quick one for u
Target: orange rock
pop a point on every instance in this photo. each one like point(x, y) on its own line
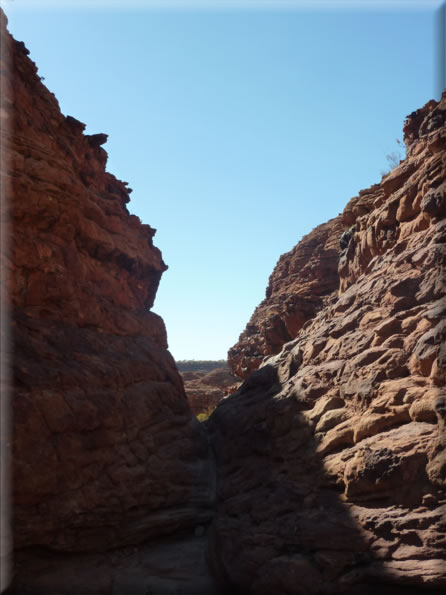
point(297, 288)
point(338, 456)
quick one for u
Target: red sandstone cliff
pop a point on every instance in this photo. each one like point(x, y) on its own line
point(330, 459)
point(297, 289)
point(304, 278)
point(331, 466)
point(105, 449)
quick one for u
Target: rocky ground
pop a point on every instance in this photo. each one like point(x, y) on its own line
point(205, 390)
point(176, 565)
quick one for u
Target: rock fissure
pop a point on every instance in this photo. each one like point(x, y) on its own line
point(324, 473)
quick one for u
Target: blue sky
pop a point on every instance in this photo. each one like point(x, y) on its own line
point(239, 128)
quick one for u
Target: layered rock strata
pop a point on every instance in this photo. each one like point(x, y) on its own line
point(106, 451)
point(297, 289)
point(331, 457)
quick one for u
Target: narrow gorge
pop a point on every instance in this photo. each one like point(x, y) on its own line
point(323, 474)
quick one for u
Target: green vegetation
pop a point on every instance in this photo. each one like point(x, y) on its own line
point(197, 365)
point(205, 415)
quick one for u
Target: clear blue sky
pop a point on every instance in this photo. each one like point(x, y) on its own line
point(239, 129)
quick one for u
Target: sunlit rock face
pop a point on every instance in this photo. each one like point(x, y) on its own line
point(331, 457)
point(105, 449)
point(298, 287)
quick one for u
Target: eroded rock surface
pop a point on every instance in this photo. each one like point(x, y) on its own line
point(106, 451)
point(331, 456)
point(331, 469)
point(297, 289)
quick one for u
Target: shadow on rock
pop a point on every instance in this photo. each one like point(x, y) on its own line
point(286, 522)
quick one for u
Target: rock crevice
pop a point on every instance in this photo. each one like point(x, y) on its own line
point(323, 474)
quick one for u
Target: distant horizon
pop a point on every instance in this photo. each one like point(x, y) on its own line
point(239, 131)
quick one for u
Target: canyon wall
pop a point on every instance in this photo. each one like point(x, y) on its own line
point(297, 289)
point(331, 466)
point(105, 450)
point(330, 458)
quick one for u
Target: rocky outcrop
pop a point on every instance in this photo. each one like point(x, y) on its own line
point(105, 449)
point(331, 457)
point(204, 390)
point(297, 289)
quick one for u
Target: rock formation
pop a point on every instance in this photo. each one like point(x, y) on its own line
point(205, 390)
point(106, 451)
point(297, 289)
point(331, 466)
point(329, 460)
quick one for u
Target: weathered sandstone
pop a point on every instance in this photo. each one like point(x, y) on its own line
point(331, 466)
point(297, 289)
point(330, 459)
point(105, 449)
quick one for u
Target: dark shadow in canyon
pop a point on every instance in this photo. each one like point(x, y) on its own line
point(283, 524)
